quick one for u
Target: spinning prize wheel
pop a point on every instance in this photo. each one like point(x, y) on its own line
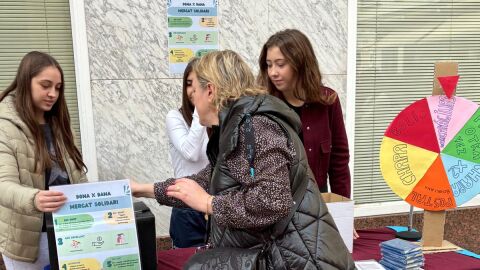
point(430, 153)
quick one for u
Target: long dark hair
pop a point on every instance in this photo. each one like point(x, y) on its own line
point(299, 53)
point(187, 106)
point(58, 117)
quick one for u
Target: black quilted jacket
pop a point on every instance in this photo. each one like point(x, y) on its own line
point(308, 238)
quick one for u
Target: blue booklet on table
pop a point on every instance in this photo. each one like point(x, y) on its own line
point(400, 246)
point(394, 252)
point(403, 259)
point(394, 266)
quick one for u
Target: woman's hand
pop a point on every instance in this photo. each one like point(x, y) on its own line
point(49, 200)
point(141, 190)
point(191, 193)
point(355, 234)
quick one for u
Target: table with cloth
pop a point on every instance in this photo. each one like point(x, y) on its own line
point(365, 248)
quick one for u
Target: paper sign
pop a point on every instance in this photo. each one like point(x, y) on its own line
point(403, 165)
point(466, 143)
point(180, 55)
point(449, 116)
point(192, 31)
point(95, 229)
point(433, 191)
point(464, 177)
point(414, 126)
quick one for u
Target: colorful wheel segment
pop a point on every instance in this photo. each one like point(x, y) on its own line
point(430, 153)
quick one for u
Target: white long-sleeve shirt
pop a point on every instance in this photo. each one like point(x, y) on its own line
point(188, 145)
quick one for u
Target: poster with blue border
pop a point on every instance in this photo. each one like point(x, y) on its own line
point(192, 31)
point(95, 228)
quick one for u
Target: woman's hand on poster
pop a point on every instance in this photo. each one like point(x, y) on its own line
point(49, 200)
point(191, 193)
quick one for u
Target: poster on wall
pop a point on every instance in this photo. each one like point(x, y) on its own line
point(95, 228)
point(192, 31)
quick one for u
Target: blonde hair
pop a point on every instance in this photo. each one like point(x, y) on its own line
point(231, 76)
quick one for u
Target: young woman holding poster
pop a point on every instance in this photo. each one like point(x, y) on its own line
point(37, 150)
point(188, 144)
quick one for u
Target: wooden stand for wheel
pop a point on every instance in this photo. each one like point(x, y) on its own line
point(434, 221)
point(443, 69)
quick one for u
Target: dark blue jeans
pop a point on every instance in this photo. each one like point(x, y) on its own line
point(188, 228)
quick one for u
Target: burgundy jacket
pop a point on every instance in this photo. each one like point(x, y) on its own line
point(326, 144)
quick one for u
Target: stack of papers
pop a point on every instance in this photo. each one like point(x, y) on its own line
point(401, 255)
point(368, 265)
